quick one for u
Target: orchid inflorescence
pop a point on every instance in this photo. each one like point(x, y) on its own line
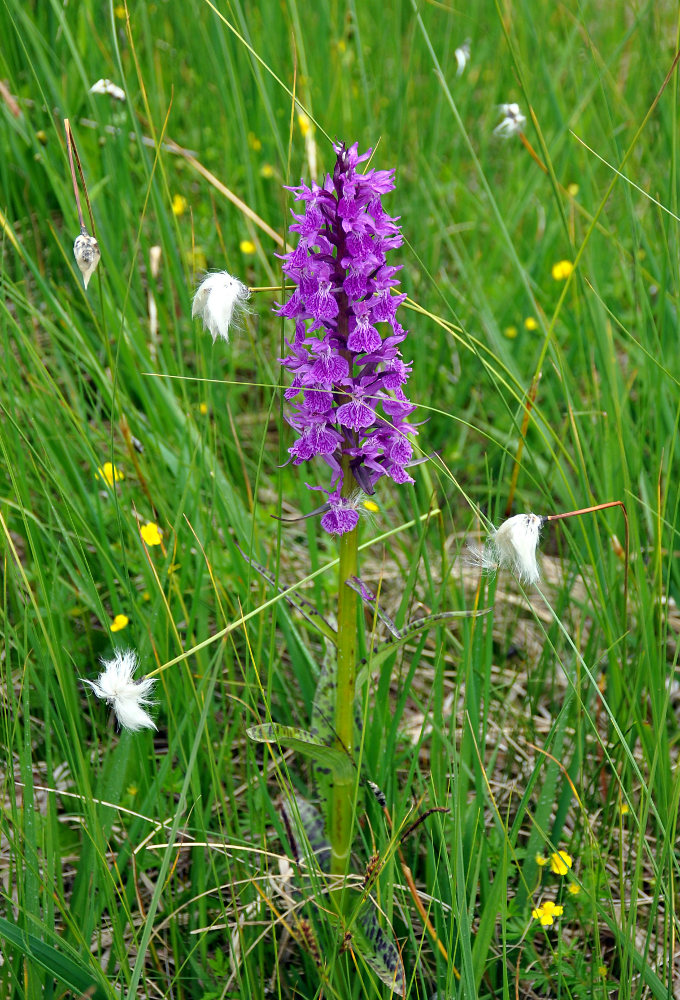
point(348, 404)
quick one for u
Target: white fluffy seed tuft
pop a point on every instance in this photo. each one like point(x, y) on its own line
point(513, 121)
point(218, 300)
point(116, 686)
point(512, 546)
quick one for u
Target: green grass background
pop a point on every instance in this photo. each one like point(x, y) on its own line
point(534, 727)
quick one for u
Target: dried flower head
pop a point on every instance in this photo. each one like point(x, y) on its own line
point(513, 121)
point(512, 546)
point(348, 405)
point(87, 254)
point(126, 696)
point(218, 300)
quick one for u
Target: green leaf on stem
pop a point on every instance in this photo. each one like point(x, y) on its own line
point(339, 762)
point(378, 949)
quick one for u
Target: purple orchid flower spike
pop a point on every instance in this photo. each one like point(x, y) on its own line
point(347, 401)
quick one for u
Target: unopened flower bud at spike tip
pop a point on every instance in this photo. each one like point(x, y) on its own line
point(87, 254)
point(218, 301)
point(126, 696)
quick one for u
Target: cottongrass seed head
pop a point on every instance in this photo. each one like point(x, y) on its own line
point(126, 696)
point(87, 254)
point(512, 546)
point(513, 121)
point(218, 301)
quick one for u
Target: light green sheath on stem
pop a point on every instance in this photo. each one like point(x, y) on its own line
point(341, 820)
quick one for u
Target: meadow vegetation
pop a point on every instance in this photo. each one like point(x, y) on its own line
point(146, 502)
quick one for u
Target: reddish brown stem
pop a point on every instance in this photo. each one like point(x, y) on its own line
point(590, 510)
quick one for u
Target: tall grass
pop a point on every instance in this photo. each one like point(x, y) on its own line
point(158, 864)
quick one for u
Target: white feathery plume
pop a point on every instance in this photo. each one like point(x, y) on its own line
point(512, 546)
point(126, 696)
point(513, 121)
point(217, 299)
point(106, 87)
point(462, 55)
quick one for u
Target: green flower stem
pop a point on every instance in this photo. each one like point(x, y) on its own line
point(341, 820)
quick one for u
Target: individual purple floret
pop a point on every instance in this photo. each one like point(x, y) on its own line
point(347, 402)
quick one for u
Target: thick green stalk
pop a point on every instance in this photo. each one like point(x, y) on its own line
point(341, 820)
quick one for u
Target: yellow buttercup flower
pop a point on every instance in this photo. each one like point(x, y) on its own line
point(572, 190)
point(541, 860)
point(254, 142)
point(547, 912)
point(562, 269)
point(118, 623)
point(624, 808)
point(151, 533)
point(247, 246)
point(109, 473)
point(574, 889)
point(560, 862)
point(510, 332)
point(203, 408)
point(179, 204)
point(266, 170)
point(530, 323)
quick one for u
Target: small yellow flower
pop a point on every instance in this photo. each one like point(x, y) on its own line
point(371, 506)
point(119, 11)
point(118, 623)
point(573, 888)
point(572, 190)
point(247, 246)
point(530, 323)
point(109, 473)
point(547, 912)
point(304, 123)
point(151, 533)
point(203, 408)
point(132, 790)
point(179, 204)
point(562, 269)
point(541, 860)
point(266, 170)
point(254, 142)
point(602, 970)
point(510, 332)
point(560, 862)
